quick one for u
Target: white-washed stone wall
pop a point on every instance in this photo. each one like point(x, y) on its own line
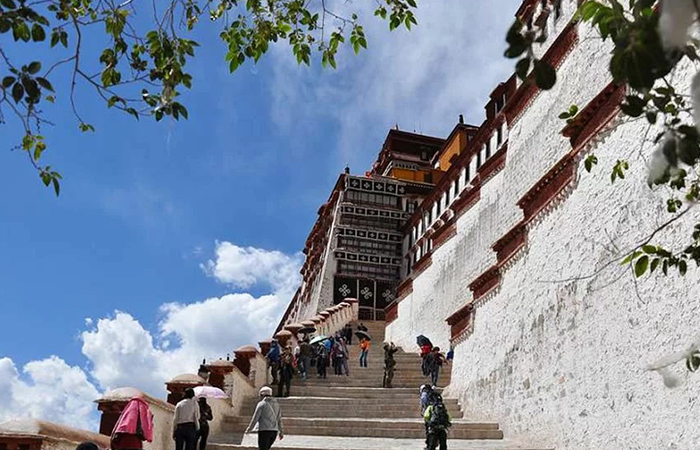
point(558, 352)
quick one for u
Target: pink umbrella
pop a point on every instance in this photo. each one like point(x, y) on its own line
point(209, 392)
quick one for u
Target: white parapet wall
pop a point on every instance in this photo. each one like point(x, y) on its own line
point(557, 353)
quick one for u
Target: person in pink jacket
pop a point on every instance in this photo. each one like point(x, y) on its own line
point(135, 425)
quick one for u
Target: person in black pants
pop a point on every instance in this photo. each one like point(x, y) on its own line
point(186, 422)
point(205, 415)
point(267, 418)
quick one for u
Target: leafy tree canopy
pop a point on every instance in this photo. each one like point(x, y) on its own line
point(142, 70)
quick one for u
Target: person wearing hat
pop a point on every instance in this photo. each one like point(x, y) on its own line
point(268, 420)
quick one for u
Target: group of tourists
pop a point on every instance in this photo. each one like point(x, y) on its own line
point(330, 353)
point(191, 422)
point(135, 424)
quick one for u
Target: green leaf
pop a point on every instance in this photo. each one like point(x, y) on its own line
point(38, 33)
point(34, 67)
point(522, 68)
point(8, 81)
point(641, 266)
point(43, 82)
point(56, 185)
point(630, 257)
point(9, 4)
point(17, 92)
point(649, 249)
point(545, 75)
point(654, 264)
point(589, 162)
point(84, 127)
point(39, 149)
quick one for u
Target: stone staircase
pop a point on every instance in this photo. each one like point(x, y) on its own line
point(355, 412)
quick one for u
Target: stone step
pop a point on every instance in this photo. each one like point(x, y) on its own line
point(333, 381)
point(355, 392)
point(292, 442)
point(235, 423)
point(346, 401)
point(355, 410)
point(410, 431)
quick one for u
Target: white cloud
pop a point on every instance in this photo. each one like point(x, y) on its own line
point(244, 267)
point(422, 79)
point(124, 353)
point(48, 389)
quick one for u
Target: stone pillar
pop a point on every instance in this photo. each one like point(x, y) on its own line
point(283, 337)
point(294, 329)
point(112, 404)
point(219, 369)
point(176, 387)
point(327, 325)
point(355, 305)
point(318, 324)
point(265, 346)
point(243, 356)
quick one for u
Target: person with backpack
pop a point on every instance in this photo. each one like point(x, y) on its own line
point(438, 421)
point(426, 394)
point(305, 354)
point(389, 363)
point(434, 362)
point(286, 372)
point(273, 360)
point(321, 361)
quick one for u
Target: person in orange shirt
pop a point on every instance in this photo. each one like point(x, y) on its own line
point(364, 352)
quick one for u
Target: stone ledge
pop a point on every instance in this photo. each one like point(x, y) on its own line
point(467, 199)
point(494, 164)
point(594, 116)
point(547, 188)
point(485, 282)
point(512, 242)
point(422, 264)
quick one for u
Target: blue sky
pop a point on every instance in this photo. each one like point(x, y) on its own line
point(198, 214)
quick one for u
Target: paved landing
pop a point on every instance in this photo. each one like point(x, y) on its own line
point(336, 443)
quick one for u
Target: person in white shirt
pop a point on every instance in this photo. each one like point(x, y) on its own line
point(268, 419)
point(186, 422)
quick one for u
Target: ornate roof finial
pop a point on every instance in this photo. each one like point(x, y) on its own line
point(347, 169)
point(461, 119)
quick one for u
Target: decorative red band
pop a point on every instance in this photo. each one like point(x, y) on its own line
point(486, 282)
point(405, 288)
point(460, 320)
point(467, 199)
point(494, 164)
point(510, 243)
point(444, 233)
point(544, 191)
point(422, 264)
point(594, 116)
point(391, 312)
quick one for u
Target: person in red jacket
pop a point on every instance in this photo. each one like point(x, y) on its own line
point(135, 425)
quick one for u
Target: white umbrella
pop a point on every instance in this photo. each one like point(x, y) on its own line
point(209, 392)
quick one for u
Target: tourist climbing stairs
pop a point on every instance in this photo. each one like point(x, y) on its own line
point(354, 412)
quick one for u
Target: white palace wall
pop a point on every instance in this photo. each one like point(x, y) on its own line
point(557, 352)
